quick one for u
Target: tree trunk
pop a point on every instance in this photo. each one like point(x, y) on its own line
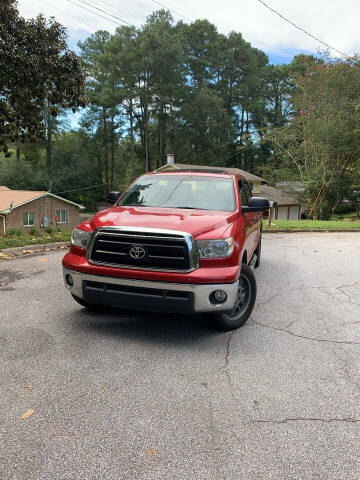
point(147, 163)
point(105, 144)
point(160, 159)
point(357, 210)
point(133, 166)
point(241, 134)
point(48, 149)
point(112, 158)
point(247, 151)
point(172, 131)
point(18, 143)
point(48, 140)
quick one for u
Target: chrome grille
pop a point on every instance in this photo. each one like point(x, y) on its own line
point(152, 249)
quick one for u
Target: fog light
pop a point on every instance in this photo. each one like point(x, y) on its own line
point(218, 296)
point(69, 280)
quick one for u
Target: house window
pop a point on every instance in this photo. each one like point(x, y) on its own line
point(28, 219)
point(61, 216)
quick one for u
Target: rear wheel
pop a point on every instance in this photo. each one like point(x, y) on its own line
point(244, 303)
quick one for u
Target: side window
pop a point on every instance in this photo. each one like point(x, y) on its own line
point(248, 190)
point(243, 194)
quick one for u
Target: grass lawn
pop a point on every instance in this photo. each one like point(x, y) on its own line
point(23, 239)
point(342, 216)
point(312, 225)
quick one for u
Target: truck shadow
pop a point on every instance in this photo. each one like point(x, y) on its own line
point(152, 327)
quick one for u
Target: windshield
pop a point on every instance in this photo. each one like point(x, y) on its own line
point(180, 191)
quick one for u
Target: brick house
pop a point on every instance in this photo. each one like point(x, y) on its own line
point(23, 209)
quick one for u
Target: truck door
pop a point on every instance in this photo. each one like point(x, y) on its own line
point(252, 219)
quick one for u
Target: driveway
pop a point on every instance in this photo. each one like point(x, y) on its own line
point(138, 396)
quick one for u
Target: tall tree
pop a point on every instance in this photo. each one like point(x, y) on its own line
point(322, 138)
point(122, 61)
point(36, 68)
point(163, 62)
point(104, 114)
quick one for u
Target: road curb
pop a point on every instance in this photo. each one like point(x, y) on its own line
point(28, 249)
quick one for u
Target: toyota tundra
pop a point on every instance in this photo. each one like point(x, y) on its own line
point(180, 241)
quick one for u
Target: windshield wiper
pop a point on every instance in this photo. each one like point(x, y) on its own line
point(133, 205)
point(191, 208)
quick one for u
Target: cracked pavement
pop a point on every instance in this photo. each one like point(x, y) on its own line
point(135, 396)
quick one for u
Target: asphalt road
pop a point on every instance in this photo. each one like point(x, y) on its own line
point(139, 396)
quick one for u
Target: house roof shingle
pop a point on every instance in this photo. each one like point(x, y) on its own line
point(275, 195)
point(250, 177)
point(19, 197)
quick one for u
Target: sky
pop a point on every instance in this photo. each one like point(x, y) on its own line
point(333, 21)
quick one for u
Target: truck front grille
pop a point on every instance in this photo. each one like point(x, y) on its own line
point(140, 249)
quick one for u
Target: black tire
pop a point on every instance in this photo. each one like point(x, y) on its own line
point(95, 307)
point(226, 321)
point(258, 253)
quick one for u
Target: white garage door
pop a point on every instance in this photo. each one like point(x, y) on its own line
point(282, 213)
point(294, 213)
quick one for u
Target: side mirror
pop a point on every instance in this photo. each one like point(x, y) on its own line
point(256, 204)
point(113, 197)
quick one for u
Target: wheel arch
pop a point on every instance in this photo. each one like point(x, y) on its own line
point(244, 257)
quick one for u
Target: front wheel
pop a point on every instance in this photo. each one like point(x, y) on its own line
point(244, 303)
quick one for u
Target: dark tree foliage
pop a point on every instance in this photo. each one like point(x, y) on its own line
point(170, 87)
point(36, 70)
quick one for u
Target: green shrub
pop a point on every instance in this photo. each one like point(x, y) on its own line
point(49, 230)
point(12, 232)
point(33, 231)
point(342, 208)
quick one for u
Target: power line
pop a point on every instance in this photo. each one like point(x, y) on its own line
point(210, 150)
point(206, 62)
point(84, 188)
point(115, 8)
point(62, 11)
point(174, 11)
point(300, 28)
point(94, 13)
point(231, 155)
point(201, 154)
point(106, 12)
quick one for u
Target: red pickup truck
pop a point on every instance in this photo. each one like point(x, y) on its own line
point(182, 241)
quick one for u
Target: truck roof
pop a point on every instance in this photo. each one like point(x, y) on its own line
point(199, 172)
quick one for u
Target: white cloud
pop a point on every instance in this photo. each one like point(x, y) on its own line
point(334, 23)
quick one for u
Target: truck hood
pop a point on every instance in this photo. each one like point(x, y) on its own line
point(199, 223)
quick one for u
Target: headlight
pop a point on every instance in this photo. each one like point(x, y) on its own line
point(80, 238)
point(222, 247)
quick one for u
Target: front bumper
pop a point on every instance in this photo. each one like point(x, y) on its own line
point(149, 295)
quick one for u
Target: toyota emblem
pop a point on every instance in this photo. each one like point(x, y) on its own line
point(137, 252)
